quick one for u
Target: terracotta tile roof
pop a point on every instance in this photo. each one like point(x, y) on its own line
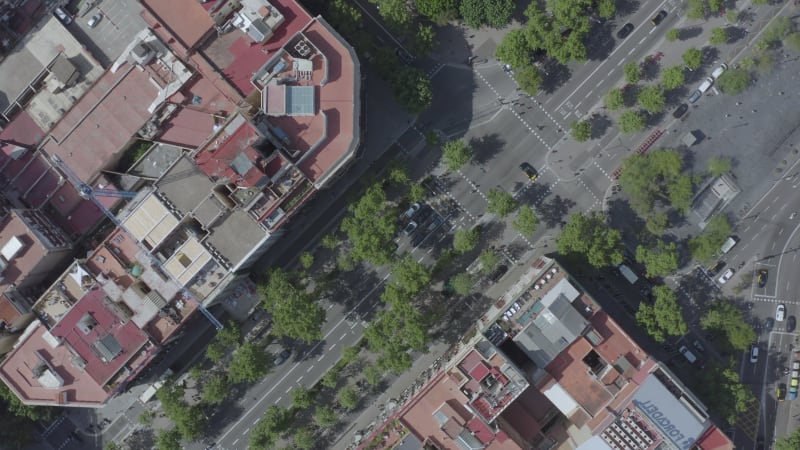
point(187, 20)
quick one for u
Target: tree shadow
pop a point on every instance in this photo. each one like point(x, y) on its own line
point(554, 76)
point(601, 123)
point(650, 68)
point(623, 217)
point(736, 34)
point(689, 32)
point(653, 119)
point(600, 40)
point(627, 7)
point(486, 147)
point(533, 195)
point(710, 54)
point(630, 95)
point(553, 212)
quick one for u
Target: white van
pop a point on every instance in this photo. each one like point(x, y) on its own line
point(688, 354)
point(728, 245)
point(718, 71)
point(628, 273)
point(705, 85)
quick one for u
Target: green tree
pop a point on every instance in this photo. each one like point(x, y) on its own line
point(631, 122)
point(250, 363)
point(581, 130)
point(306, 260)
point(733, 81)
point(589, 235)
point(473, 12)
point(465, 239)
point(230, 336)
point(216, 389)
point(723, 392)
point(344, 16)
point(325, 417)
point(304, 438)
point(527, 221)
point(373, 375)
point(294, 312)
point(657, 223)
point(606, 8)
point(168, 439)
point(330, 241)
point(725, 318)
point(692, 58)
point(673, 77)
point(350, 354)
point(397, 330)
point(655, 175)
point(615, 99)
point(439, 11)
point(424, 40)
point(348, 398)
point(489, 260)
point(416, 193)
point(189, 420)
point(664, 317)
point(680, 193)
point(396, 13)
point(270, 428)
point(456, 154)
point(494, 13)
point(412, 89)
point(331, 377)
point(706, 245)
point(695, 9)
point(716, 5)
point(371, 227)
point(501, 203)
point(302, 398)
point(673, 35)
point(410, 275)
point(514, 50)
point(529, 79)
point(633, 73)
point(652, 99)
point(660, 260)
point(718, 165)
point(792, 41)
point(719, 36)
point(462, 284)
point(790, 442)
point(215, 351)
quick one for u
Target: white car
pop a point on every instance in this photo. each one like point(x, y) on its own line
point(94, 20)
point(718, 71)
point(753, 353)
point(725, 276)
point(780, 313)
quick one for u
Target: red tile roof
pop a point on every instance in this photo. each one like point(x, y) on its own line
point(187, 20)
point(715, 439)
point(21, 131)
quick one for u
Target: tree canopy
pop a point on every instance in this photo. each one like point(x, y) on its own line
point(494, 13)
point(693, 58)
point(673, 77)
point(734, 81)
point(410, 275)
point(424, 40)
point(489, 260)
point(719, 36)
point(501, 203)
point(371, 227)
point(722, 391)
point(526, 221)
point(294, 313)
point(189, 420)
point(652, 99)
point(664, 317)
point(631, 122)
point(465, 239)
point(661, 259)
point(456, 154)
point(19, 420)
point(270, 428)
point(615, 99)
point(348, 398)
point(397, 329)
point(514, 50)
point(790, 442)
point(250, 363)
point(725, 318)
point(168, 439)
point(589, 235)
point(325, 417)
point(462, 283)
point(302, 398)
point(633, 73)
point(717, 165)
point(656, 175)
point(560, 34)
point(412, 89)
point(529, 79)
point(437, 10)
point(581, 130)
point(707, 244)
point(216, 389)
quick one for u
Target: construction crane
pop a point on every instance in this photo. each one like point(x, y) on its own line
point(91, 193)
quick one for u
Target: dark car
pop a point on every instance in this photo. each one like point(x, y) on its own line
point(62, 16)
point(625, 31)
point(680, 110)
point(658, 18)
point(529, 171)
point(282, 357)
point(498, 273)
point(791, 324)
point(762, 277)
point(714, 269)
point(769, 324)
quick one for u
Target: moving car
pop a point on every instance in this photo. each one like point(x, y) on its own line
point(753, 353)
point(625, 30)
point(62, 16)
point(282, 357)
point(94, 20)
point(780, 313)
point(714, 269)
point(680, 110)
point(658, 18)
point(529, 171)
point(725, 276)
point(791, 324)
point(762, 278)
point(769, 324)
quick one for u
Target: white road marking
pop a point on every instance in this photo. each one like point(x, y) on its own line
point(256, 421)
point(643, 39)
point(775, 199)
point(234, 442)
point(632, 50)
point(332, 346)
point(780, 232)
point(311, 367)
point(342, 337)
point(299, 379)
point(773, 216)
point(330, 306)
point(247, 430)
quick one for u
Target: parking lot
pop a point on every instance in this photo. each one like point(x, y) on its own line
point(119, 23)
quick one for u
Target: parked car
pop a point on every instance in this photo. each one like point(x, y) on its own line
point(680, 110)
point(725, 276)
point(780, 393)
point(498, 273)
point(698, 346)
point(718, 71)
point(791, 324)
point(658, 18)
point(695, 96)
point(625, 30)
point(769, 324)
point(62, 15)
point(94, 20)
point(411, 211)
point(753, 353)
point(282, 357)
point(762, 277)
point(780, 313)
point(529, 171)
point(715, 268)
point(410, 228)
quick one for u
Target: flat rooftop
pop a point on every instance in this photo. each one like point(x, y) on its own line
point(187, 20)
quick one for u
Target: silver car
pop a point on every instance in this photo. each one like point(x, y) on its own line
point(94, 20)
point(725, 276)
